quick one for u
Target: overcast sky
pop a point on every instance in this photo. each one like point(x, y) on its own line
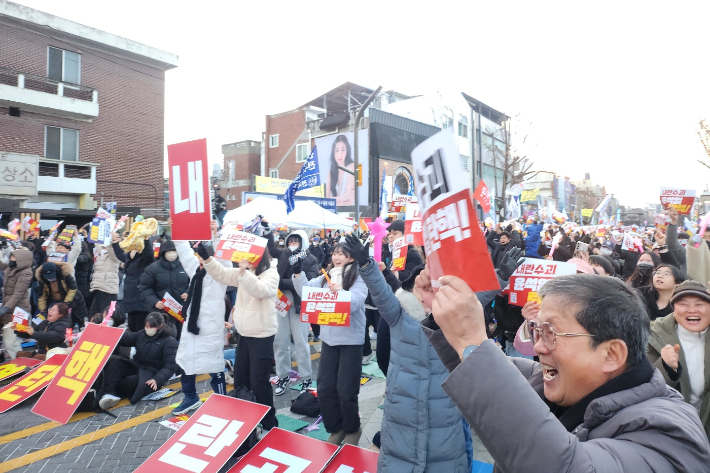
point(611, 88)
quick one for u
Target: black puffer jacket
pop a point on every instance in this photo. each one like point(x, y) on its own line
point(163, 276)
point(134, 268)
point(155, 359)
point(84, 264)
point(309, 265)
point(49, 334)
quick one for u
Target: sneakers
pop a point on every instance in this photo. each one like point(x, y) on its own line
point(305, 385)
point(316, 338)
point(108, 401)
point(229, 372)
point(281, 386)
point(187, 405)
point(367, 359)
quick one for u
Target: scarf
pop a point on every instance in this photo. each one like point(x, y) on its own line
point(336, 275)
point(194, 300)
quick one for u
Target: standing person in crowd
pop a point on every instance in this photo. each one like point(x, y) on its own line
point(50, 333)
point(341, 354)
point(532, 241)
point(71, 252)
point(166, 275)
point(105, 280)
point(593, 403)
point(151, 367)
point(672, 239)
point(602, 265)
point(643, 274)
point(56, 284)
point(680, 349)
point(414, 258)
point(500, 247)
point(17, 279)
point(698, 259)
point(134, 265)
point(201, 343)
point(657, 295)
point(291, 325)
point(255, 320)
point(316, 250)
point(83, 269)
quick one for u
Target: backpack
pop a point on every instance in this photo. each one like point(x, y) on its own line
point(306, 404)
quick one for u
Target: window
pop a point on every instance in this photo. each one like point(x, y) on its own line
point(302, 152)
point(448, 122)
point(464, 162)
point(273, 141)
point(463, 127)
point(274, 173)
point(64, 66)
point(231, 170)
point(61, 143)
point(478, 169)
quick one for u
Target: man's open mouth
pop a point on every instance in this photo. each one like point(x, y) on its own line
point(548, 372)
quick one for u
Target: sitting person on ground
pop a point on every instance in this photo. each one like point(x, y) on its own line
point(593, 403)
point(50, 333)
point(56, 284)
point(150, 369)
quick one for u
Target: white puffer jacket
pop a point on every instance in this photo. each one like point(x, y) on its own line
point(254, 313)
point(105, 278)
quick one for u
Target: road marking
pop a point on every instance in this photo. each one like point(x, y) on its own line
point(314, 356)
point(75, 418)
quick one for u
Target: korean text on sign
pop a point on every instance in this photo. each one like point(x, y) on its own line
point(78, 373)
point(21, 318)
point(399, 254)
point(173, 307)
point(680, 199)
point(283, 303)
point(16, 366)
point(413, 225)
point(453, 242)
point(322, 307)
point(235, 245)
point(532, 275)
point(208, 439)
point(30, 384)
point(189, 190)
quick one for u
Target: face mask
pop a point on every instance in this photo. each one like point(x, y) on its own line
point(12, 264)
point(171, 255)
point(605, 251)
point(644, 268)
point(151, 331)
point(81, 237)
point(293, 248)
point(109, 323)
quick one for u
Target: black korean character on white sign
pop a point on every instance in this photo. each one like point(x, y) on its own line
point(432, 179)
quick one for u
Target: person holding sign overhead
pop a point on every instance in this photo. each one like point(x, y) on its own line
point(341, 356)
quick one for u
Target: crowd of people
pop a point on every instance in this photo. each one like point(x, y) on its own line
point(605, 372)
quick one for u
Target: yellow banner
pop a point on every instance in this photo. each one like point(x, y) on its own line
point(279, 186)
point(528, 196)
point(587, 212)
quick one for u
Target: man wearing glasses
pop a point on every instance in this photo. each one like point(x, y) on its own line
point(593, 402)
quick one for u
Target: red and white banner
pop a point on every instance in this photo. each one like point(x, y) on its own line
point(283, 303)
point(413, 225)
point(78, 373)
point(530, 276)
point(208, 439)
point(173, 307)
point(156, 250)
point(352, 459)
point(483, 196)
point(21, 318)
point(679, 199)
point(287, 452)
point(29, 224)
point(16, 366)
point(453, 241)
point(30, 384)
point(190, 206)
point(235, 245)
point(401, 202)
point(67, 234)
point(399, 254)
point(322, 307)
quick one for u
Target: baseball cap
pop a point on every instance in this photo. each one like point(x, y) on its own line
point(49, 271)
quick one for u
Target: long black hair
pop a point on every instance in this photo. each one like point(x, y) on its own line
point(334, 165)
point(350, 270)
point(160, 321)
point(264, 264)
point(640, 280)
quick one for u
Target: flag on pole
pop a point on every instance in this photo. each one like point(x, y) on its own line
point(307, 177)
point(383, 196)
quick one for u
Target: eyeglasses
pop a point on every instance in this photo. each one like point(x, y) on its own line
point(548, 335)
point(664, 274)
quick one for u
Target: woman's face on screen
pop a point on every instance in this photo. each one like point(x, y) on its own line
point(341, 152)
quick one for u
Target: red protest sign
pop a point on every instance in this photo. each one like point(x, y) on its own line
point(190, 206)
point(156, 250)
point(208, 439)
point(483, 196)
point(399, 254)
point(235, 245)
point(283, 303)
point(353, 459)
point(453, 241)
point(413, 225)
point(30, 384)
point(21, 318)
point(78, 373)
point(401, 202)
point(281, 450)
point(322, 307)
point(173, 307)
point(530, 276)
point(16, 366)
point(679, 199)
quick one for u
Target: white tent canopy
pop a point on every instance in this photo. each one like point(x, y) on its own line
point(307, 214)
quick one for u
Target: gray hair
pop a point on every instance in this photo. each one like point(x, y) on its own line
point(608, 309)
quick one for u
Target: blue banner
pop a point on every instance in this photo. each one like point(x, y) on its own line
point(383, 194)
point(307, 177)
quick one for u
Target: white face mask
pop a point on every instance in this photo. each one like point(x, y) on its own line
point(605, 251)
point(171, 255)
point(151, 331)
point(293, 248)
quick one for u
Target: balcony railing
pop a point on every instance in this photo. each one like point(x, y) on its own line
point(68, 177)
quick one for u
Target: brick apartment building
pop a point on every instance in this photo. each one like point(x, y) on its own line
point(82, 107)
point(242, 160)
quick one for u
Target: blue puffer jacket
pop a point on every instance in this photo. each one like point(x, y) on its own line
point(532, 241)
point(422, 429)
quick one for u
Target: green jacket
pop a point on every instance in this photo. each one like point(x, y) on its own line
point(663, 332)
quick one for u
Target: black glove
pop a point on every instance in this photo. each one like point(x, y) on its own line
point(202, 251)
point(297, 266)
point(510, 262)
point(4, 310)
point(360, 252)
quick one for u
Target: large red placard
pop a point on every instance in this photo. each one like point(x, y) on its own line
point(16, 366)
point(208, 439)
point(353, 459)
point(285, 451)
point(190, 206)
point(30, 384)
point(322, 307)
point(78, 373)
